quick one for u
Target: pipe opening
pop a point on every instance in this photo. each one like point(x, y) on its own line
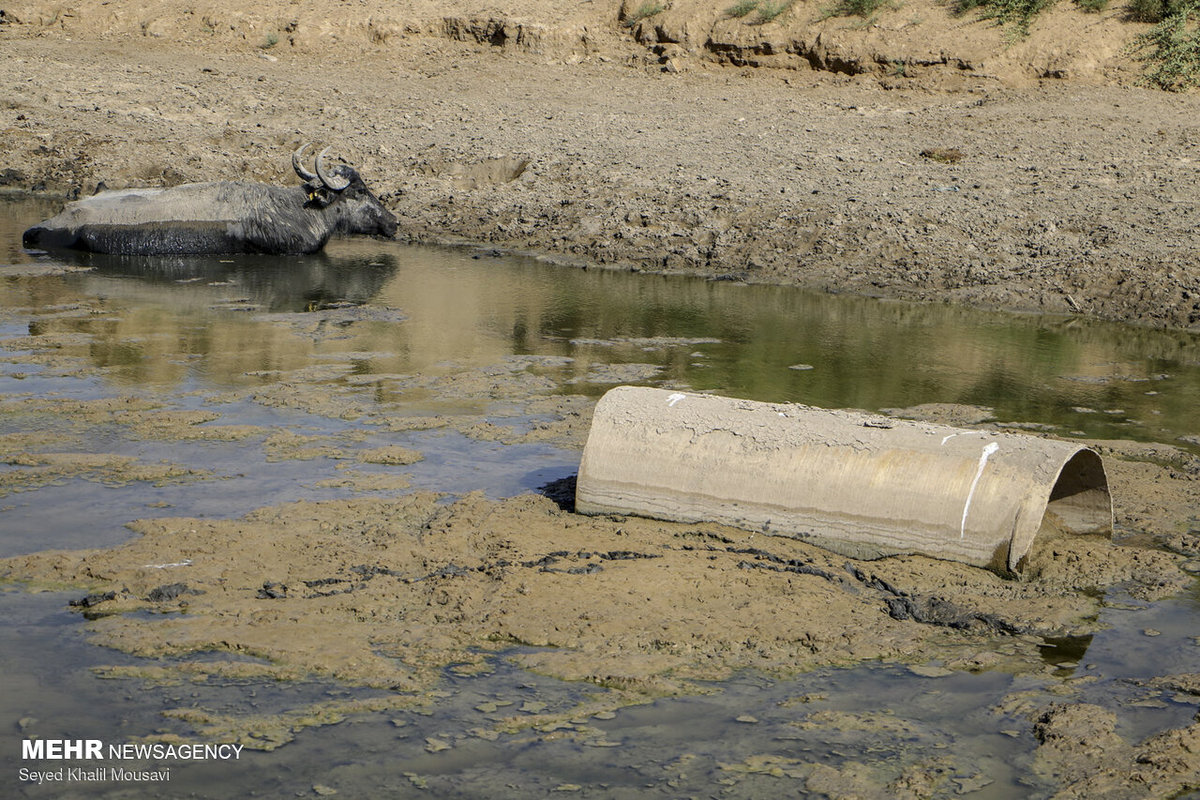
point(1080, 497)
point(1079, 504)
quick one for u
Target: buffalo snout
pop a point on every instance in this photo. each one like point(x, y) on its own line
point(388, 223)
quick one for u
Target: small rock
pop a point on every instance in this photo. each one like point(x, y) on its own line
point(272, 591)
point(170, 591)
point(93, 599)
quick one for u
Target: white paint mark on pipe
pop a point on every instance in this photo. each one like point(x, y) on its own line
point(988, 449)
point(675, 398)
point(950, 436)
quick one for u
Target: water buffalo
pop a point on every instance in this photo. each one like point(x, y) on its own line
point(221, 216)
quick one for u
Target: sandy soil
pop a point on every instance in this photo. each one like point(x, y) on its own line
point(558, 129)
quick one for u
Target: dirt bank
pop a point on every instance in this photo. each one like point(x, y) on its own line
point(560, 130)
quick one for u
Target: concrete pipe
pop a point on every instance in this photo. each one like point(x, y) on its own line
point(859, 484)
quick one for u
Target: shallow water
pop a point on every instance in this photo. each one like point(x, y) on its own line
point(183, 325)
point(379, 333)
point(743, 740)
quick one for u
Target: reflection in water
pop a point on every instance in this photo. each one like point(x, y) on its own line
point(1065, 652)
point(292, 283)
point(762, 342)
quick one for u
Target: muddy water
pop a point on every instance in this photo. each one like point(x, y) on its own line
point(206, 389)
point(184, 325)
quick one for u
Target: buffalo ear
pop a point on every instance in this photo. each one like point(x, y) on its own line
point(317, 195)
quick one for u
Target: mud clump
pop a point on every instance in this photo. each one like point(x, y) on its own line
point(1080, 751)
point(1076, 740)
point(94, 599)
point(170, 591)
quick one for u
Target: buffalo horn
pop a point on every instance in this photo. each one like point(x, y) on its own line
point(298, 165)
point(334, 182)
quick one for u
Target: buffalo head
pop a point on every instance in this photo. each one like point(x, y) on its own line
point(340, 190)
